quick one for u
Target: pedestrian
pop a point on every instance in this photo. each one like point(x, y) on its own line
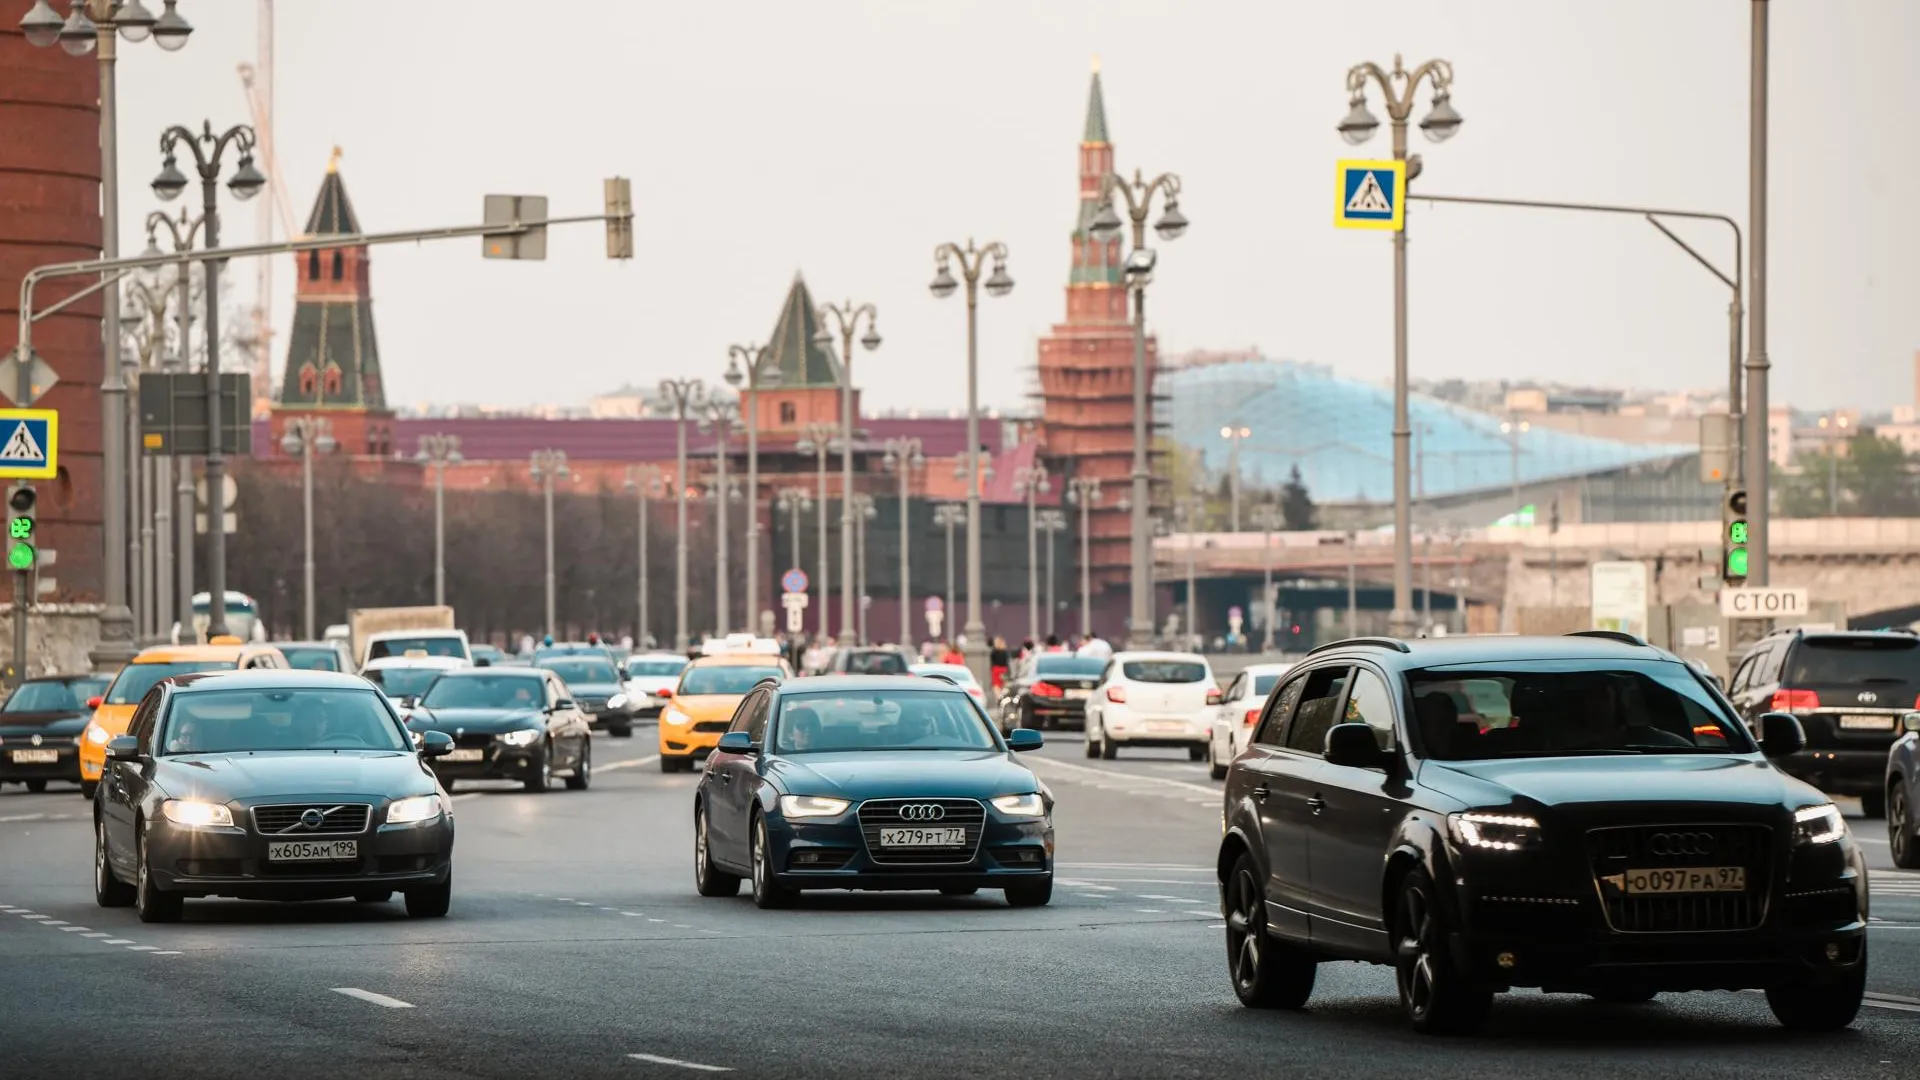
point(1054, 645)
point(998, 661)
point(951, 654)
point(1094, 646)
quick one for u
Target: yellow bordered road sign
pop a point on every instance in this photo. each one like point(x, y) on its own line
point(1370, 195)
point(29, 444)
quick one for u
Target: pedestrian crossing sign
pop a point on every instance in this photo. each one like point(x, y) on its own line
point(29, 444)
point(1370, 195)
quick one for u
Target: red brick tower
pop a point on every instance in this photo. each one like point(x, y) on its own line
point(1086, 364)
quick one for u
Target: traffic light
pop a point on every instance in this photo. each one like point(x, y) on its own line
point(1734, 542)
point(21, 554)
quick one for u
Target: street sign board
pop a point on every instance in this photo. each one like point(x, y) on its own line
point(229, 492)
point(29, 444)
point(934, 603)
point(1763, 602)
point(1370, 195)
point(173, 414)
point(40, 378)
point(796, 604)
point(794, 581)
point(512, 209)
point(1620, 597)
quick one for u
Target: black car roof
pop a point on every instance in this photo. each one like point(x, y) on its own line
point(523, 671)
point(1434, 652)
point(269, 679)
point(829, 684)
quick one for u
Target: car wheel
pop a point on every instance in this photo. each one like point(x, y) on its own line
point(1437, 997)
point(767, 893)
point(1626, 995)
point(1874, 804)
point(1199, 753)
point(154, 904)
point(1820, 1005)
point(87, 787)
point(709, 879)
point(432, 901)
point(373, 896)
point(542, 776)
point(1214, 768)
point(1093, 742)
point(960, 890)
point(1108, 751)
point(582, 773)
point(36, 786)
point(1267, 973)
point(1903, 834)
point(1035, 895)
point(108, 889)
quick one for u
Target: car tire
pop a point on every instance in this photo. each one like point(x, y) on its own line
point(1437, 997)
point(108, 889)
point(1903, 833)
point(154, 904)
point(36, 786)
point(960, 890)
point(1820, 1005)
point(1873, 804)
point(1108, 751)
point(767, 893)
point(1093, 744)
point(542, 777)
point(432, 901)
point(1266, 972)
point(1199, 753)
point(1038, 894)
point(1214, 769)
point(373, 896)
point(707, 878)
point(582, 777)
point(87, 788)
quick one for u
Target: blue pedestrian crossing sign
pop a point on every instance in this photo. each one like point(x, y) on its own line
point(29, 444)
point(1370, 195)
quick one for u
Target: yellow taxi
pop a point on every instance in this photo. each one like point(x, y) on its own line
point(699, 708)
point(113, 711)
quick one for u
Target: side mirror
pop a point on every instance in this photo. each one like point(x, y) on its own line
point(1781, 734)
point(1021, 738)
point(1910, 723)
point(94, 701)
point(737, 742)
point(483, 662)
point(1354, 745)
point(123, 748)
point(562, 705)
point(435, 744)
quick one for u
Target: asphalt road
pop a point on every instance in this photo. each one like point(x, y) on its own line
point(578, 947)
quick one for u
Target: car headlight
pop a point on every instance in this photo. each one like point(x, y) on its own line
point(1028, 805)
point(617, 701)
point(417, 808)
point(1494, 832)
point(674, 716)
point(195, 814)
point(1818, 824)
point(812, 806)
point(97, 734)
point(523, 737)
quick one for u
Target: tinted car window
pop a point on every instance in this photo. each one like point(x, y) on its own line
point(876, 663)
point(1273, 726)
point(1165, 671)
point(892, 720)
point(239, 721)
point(54, 696)
point(1532, 710)
point(135, 680)
point(312, 659)
point(724, 679)
point(402, 681)
point(1371, 704)
point(1082, 667)
point(1263, 684)
point(1308, 729)
point(486, 692)
point(583, 669)
point(1824, 661)
point(656, 668)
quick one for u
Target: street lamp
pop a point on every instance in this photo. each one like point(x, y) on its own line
point(903, 456)
point(439, 451)
point(972, 260)
point(721, 416)
point(1836, 426)
point(818, 438)
point(847, 318)
point(948, 515)
point(1187, 513)
point(1234, 434)
point(747, 373)
point(1031, 482)
point(1053, 523)
point(1084, 491)
point(304, 436)
point(1512, 429)
point(180, 597)
point(1398, 87)
point(1269, 517)
point(548, 466)
point(643, 481)
point(795, 501)
point(680, 397)
point(863, 512)
point(1139, 272)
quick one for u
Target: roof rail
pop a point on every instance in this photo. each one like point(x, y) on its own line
point(1620, 636)
point(1371, 642)
point(943, 678)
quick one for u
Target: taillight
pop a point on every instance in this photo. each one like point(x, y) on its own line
point(1213, 697)
point(1253, 717)
point(1117, 694)
point(1794, 701)
point(977, 692)
point(1047, 689)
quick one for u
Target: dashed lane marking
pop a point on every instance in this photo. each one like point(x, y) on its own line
point(635, 914)
point(117, 941)
point(633, 764)
point(655, 1059)
point(1148, 911)
point(96, 934)
point(381, 1000)
point(168, 952)
point(1131, 779)
point(143, 948)
point(72, 929)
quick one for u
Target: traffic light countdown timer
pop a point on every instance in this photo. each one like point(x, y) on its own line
point(21, 555)
point(1734, 566)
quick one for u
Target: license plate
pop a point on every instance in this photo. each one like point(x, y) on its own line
point(314, 851)
point(948, 837)
point(1866, 723)
point(466, 755)
point(1076, 695)
point(1690, 879)
point(1168, 725)
point(35, 757)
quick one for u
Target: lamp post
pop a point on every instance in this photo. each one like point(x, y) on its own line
point(548, 466)
point(972, 260)
point(1834, 426)
point(1513, 429)
point(644, 482)
point(1187, 512)
point(680, 397)
point(818, 439)
point(1030, 481)
point(1234, 434)
point(1140, 262)
point(1053, 523)
point(439, 451)
point(1353, 585)
point(863, 512)
point(948, 515)
point(1397, 87)
point(903, 456)
point(182, 233)
point(152, 591)
point(721, 416)
point(745, 373)
point(847, 318)
point(795, 501)
point(304, 436)
point(1269, 517)
point(1084, 491)
point(96, 26)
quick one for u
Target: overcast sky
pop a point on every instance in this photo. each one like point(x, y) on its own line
point(846, 138)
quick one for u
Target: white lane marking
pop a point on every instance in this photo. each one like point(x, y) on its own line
point(1149, 911)
point(564, 899)
point(721, 933)
point(368, 995)
point(1217, 926)
point(1131, 778)
point(1092, 895)
point(72, 929)
point(681, 926)
point(54, 922)
point(1902, 998)
point(1183, 867)
point(24, 817)
point(582, 903)
point(656, 920)
point(634, 764)
point(635, 914)
point(168, 952)
point(465, 795)
point(1883, 926)
point(677, 1063)
point(116, 940)
point(1897, 1006)
point(34, 917)
point(142, 948)
point(96, 933)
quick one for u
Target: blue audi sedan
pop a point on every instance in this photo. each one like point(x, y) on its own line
point(871, 783)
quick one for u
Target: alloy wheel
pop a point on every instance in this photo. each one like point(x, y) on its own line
point(101, 878)
point(759, 858)
point(1900, 828)
point(1246, 925)
point(700, 850)
point(1414, 943)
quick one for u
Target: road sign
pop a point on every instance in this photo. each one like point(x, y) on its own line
point(934, 604)
point(1762, 602)
point(229, 492)
point(173, 413)
point(29, 443)
point(935, 617)
point(1619, 596)
point(1370, 195)
point(40, 378)
point(511, 209)
point(794, 581)
point(796, 604)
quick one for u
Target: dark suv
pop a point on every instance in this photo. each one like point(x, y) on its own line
point(868, 661)
point(1849, 689)
point(1582, 814)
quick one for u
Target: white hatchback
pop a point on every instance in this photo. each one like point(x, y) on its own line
point(1237, 713)
point(1152, 699)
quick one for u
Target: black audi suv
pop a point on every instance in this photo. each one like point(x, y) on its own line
point(1581, 814)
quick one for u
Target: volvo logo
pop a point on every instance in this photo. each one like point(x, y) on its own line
point(1868, 697)
point(1681, 843)
point(922, 812)
point(312, 817)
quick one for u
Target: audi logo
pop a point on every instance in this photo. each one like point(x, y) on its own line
point(922, 812)
point(1680, 843)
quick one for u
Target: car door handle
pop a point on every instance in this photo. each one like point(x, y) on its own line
point(1262, 792)
point(1316, 804)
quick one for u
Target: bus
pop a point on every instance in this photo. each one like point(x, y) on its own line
point(243, 618)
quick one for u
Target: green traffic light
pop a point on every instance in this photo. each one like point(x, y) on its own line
point(1737, 562)
point(1737, 532)
point(21, 528)
point(21, 556)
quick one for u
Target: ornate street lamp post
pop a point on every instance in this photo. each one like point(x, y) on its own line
point(847, 318)
point(746, 373)
point(1053, 523)
point(180, 598)
point(863, 512)
point(795, 501)
point(439, 451)
point(1030, 481)
point(721, 416)
point(547, 467)
point(948, 515)
point(644, 482)
point(818, 438)
point(305, 436)
point(680, 397)
point(903, 457)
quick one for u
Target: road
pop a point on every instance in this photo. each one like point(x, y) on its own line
point(577, 947)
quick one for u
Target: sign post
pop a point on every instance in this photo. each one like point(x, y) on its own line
point(1370, 195)
point(936, 616)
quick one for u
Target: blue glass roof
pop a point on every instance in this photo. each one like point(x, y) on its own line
point(1340, 433)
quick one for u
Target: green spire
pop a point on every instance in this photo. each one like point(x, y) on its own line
point(792, 349)
point(1096, 110)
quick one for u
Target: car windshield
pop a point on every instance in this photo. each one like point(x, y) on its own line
point(54, 695)
point(637, 669)
point(1523, 710)
point(136, 679)
point(403, 682)
point(877, 662)
point(1085, 667)
point(241, 721)
point(724, 679)
point(312, 657)
point(1851, 661)
point(883, 720)
point(1165, 671)
point(428, 645)
point(956, 672)
point(486, 692)
point(584, 669)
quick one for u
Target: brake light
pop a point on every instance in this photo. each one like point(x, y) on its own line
point(976, 692)
point(1794, 701)
point(1047, 689)
point(1213, 696)
point(1253, 717)
point(1117, 695)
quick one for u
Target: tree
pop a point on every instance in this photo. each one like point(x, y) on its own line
point(1296, 504)
point(1873, 477)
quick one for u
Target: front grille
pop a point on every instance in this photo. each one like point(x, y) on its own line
point(710, 727)
point(587, 704)
point(479, 741)
point(335, 818)
point(1617, 849)
point(967, 814)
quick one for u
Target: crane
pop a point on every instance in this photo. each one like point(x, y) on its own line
point(257, 79)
